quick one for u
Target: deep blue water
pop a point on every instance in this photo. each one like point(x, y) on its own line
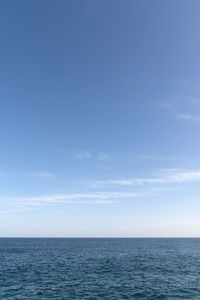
point(99, 269)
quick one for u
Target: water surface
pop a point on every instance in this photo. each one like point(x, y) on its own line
point(99, 269)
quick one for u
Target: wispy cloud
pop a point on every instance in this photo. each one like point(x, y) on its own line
point(125, 182)
point(92, 197)
point(188, 84)
point(86, 155)
point(83, 155)
point(186, 109)
point(157, 157)
point(76, 198)
point(175, 175)
point(166, 176)
point(102, 156)
point(44, 174)
point(187, 117)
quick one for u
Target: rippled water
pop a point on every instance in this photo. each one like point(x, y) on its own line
point(100, 269)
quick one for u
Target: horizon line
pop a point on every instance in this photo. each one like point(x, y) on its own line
point(101, 237)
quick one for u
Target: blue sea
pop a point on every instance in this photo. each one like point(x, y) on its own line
point(90, 268)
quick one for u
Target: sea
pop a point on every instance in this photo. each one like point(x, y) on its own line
point(99, 268)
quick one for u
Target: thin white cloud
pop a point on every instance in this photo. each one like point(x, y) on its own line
point(194, 101)
point(124, 182)
point(187, 117)
point(102, 156)
point(44, 174)
point(188, 109)
point(84, 155)
point(189, 84)
point(157, 157)
point(98, 196)
point(174, 175)
point(167, 176)
point(79, 198)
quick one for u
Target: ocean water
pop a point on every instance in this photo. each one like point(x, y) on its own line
point(99, 269)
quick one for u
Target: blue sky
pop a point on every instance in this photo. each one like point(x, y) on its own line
point(99, 118)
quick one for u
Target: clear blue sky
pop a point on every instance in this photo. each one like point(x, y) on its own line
point(99, 118)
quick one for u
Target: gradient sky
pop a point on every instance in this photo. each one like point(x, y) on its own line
point(99, 118)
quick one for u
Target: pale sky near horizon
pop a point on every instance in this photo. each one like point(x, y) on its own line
point(99, 118)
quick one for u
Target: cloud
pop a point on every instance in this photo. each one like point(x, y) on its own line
point(125, 182)
point(84, 155)
point(188, 84)
point(44, 174)
point(187, 117)
point(76, 198)
point(157, 157)
point(174, 175)
point(102, 156)
point(167, 176)
point(194, 101)
point(187, 109)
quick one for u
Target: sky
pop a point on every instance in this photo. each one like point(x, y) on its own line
point(99, 118)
